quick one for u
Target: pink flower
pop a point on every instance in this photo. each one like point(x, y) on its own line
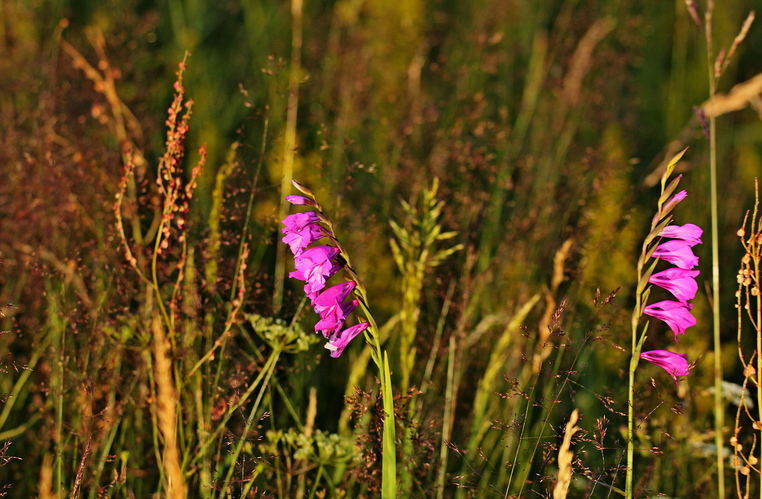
point(332, 319)
point(679, 282)
point(678, 253)
point(301, 230)
point(677, 315)
point(690, 233)
point(676, 364)
point(337, 344)
point(332, 296)
point(333, 312)
point(315, 266)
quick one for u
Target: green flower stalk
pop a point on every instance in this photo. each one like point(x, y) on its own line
point(315, 265)
point(679, 281)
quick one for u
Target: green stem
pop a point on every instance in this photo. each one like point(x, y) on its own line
point(389, 451)
point(631, 382)
point(719, 409)
point(373, 337)
point(630, 423)
point(389, 448)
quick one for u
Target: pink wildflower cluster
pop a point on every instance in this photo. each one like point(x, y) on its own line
point(315, 266)
point(681, 282)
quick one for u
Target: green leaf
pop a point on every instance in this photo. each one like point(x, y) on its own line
point(657, 230)
point(389, 450)
point(646, 276)
point(644, 300)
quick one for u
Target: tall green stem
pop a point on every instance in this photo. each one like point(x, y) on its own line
point(660, 220)
point(380, 357)
point(631, 383)
point(719, 409)
point(389, 447)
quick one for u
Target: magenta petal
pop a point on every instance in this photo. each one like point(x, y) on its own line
point(332, 319)
point(678, 253)
point(314, 257)
point(316, 280)
point(298, 221)
point(679, 282)
point(330, 326)
point(340, 342)
point(677, 315)
point(301, 231)
point(676, 364)
point(315, 266)
point(689, 233)
point(298, 241)
point(333, 296)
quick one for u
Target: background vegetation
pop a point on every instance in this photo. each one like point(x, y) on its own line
point(534, 130)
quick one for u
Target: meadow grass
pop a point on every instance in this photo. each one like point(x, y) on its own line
point(480, 162)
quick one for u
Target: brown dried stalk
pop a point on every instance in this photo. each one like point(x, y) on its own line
point(565, 458)
point(166, 411)
point(749, 305)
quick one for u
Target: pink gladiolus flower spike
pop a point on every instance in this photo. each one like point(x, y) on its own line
point(315, 266)
point(677, 315)
point(679, 282)
point(676, 364)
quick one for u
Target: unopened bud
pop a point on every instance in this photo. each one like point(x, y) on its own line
point(304, 190)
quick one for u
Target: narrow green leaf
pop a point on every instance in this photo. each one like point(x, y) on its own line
point(389, 450)
point(646, 276)
point(657, 230)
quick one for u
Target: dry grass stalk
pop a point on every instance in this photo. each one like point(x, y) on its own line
point(738, 98)
point(166, 411)
point(81, 470)
point(749, 306)
point(45, 485)
point(547, 323)
point(582, 60)
point(565, 457)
